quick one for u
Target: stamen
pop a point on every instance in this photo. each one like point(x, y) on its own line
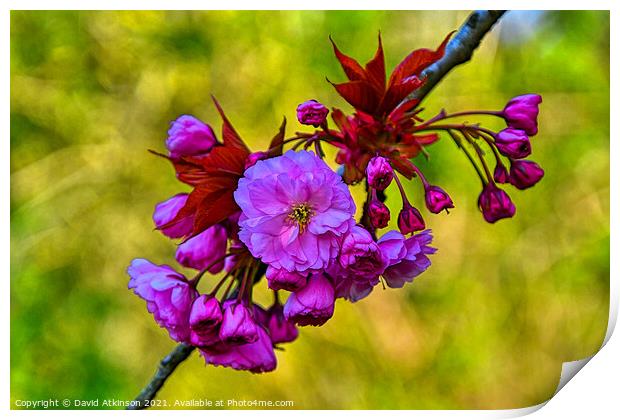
point(301, 214)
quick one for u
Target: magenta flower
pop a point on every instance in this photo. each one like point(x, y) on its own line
point(500, 174)
point(407, 257)
point(280, 279)
point(379, 173)
point(188, 136)
point(437, 199)
point(350, 287)
point(410, 219)
point(313, 304)
point(294, 209)
point(312, 112)
point(513, 143)
point(360, 255)
point(280, 330)
point(204, 250)
point(495, 204)
point(525, 173)
point(256, 357)
point(238, 325)
point(204, 321)
point(521, 112)
point(167, 293)
point(166, 211)
point(378, 213)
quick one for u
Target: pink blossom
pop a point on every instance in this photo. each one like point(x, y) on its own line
point(294, 209)
point(167, 293)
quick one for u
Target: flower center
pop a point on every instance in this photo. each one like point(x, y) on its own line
point(301, 214)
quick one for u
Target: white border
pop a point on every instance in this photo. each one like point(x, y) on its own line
point(598, 383)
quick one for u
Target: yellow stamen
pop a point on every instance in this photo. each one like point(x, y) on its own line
point(301, 214)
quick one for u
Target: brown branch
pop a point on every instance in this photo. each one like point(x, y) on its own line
point(460, 48)
point(166, 366)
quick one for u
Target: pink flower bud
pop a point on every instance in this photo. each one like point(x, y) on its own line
point(495, 204)
point(513, 143)
point(500, 174)
point(379, 214)
point(204, 250)
point(312, 112)
point(525, 173)
point(280, 330)
point(278, 279)
point(253, 158)
point(238, 326)
point(188, 136)
point(437, 199)
point(311, 305)
point(204, 320)
point(379, 173)
point(410, 220)
point(166, 211)
point(521, 112)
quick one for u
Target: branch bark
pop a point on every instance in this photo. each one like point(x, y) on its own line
point(166, 366)
point(458, 51)
point(460, 48)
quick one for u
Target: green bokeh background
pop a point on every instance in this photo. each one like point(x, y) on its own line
point(489, 324)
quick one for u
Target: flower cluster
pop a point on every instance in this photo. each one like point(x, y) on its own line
point(289, 217)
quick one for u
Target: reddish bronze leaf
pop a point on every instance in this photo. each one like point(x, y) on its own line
point(375, 70)
point(417, 61)
point(276, 146)
point(351, 67)
point(360, 94)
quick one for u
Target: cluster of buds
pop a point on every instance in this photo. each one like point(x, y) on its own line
point(289, 217)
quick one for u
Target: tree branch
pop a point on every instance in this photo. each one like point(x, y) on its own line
point(166, 366)
point(458, 51)
point(460, 48)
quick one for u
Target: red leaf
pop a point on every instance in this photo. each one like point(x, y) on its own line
point(403, 108)
point(276, 146)
point(360, 94)
point(351, 67)
point(403, 165)
point(417, 61)
point(398, 92)
point(426, 139)
point(375, 69)
point(229, 135)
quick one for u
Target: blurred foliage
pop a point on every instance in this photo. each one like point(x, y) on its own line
point(489, 324)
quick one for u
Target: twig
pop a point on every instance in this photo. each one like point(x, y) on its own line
point(166, 366)
point(460, 48)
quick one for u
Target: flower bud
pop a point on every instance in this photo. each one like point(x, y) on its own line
point(513, 143)
point(378, 213)
point(278, 279)
point(312, 112)
point(166, 211)
point(495, 204)
point(311, 305)
point(521, 113)
point(204, 250)
point(280, 330)
point(437, 199)
point(525, 173)
point(253, 158)
point(410, 219)
point(500, 174)
point(379, 173)
point(188, 136)
point(204, 320)
point(238, 326)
